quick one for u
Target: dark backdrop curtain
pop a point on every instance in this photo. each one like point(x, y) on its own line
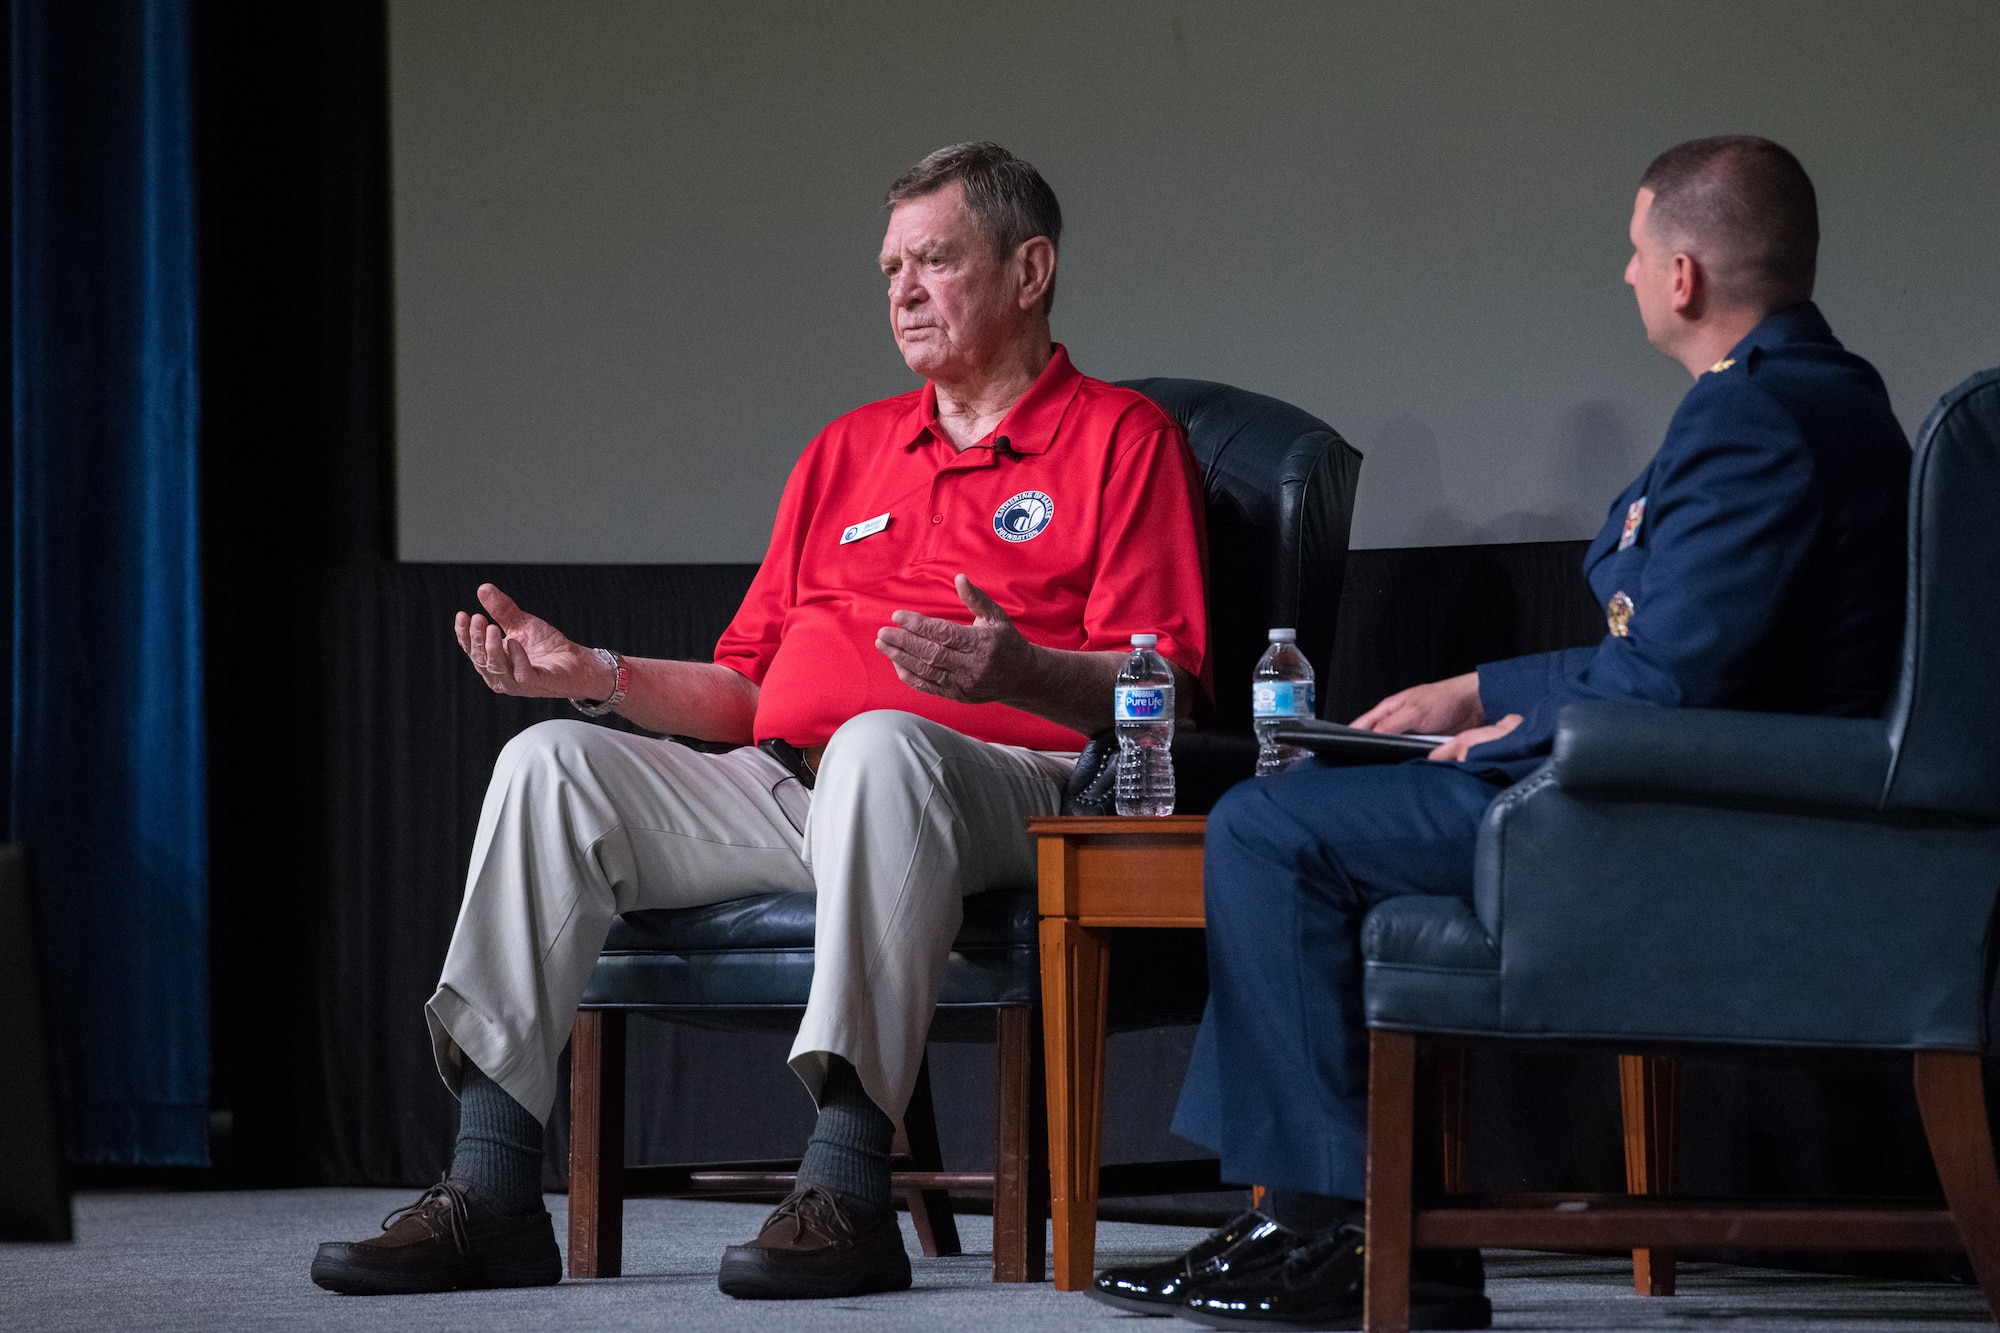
point(297, 506)
point(107, 781)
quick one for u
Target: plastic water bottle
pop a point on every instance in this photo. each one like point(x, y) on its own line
point(1143, 708)
point(1281, 690)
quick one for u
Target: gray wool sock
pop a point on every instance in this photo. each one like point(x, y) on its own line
point(849, 1150)
point(499, 1146)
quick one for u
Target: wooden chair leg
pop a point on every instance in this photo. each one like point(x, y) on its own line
point(597, 1143)
point(1392, 1112)
point(1647, 1087)
point(1951, 1096)
point(1076, 975)
point(1020, 1153)
point(1454, 1066)
point(917, 1136)
point(1037, 1250)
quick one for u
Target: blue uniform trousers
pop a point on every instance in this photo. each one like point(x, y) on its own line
point(1278, 1085)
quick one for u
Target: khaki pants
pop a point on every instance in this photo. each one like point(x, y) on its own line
point(583, 823)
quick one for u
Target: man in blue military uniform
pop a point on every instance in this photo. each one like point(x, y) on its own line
point(1757, 562)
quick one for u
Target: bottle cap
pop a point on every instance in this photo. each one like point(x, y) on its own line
point(1284, 636)
point(1144, 640)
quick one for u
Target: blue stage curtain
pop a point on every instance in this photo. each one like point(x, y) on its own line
point(108, 788)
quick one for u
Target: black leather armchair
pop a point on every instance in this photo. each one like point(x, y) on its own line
point(1279, 487)
point(1689, 878)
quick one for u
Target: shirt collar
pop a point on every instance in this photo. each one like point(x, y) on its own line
point(1030, 424)
point(1801, 323)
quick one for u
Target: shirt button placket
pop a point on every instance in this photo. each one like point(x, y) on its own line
point(937, 518)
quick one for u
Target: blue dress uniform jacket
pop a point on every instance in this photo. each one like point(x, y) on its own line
point(1765, 570)
point(1766, 561)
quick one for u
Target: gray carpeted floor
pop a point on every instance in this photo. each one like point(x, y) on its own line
point(238, 1261)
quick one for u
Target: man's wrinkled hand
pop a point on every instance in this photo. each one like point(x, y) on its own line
point(987, 661)
point(516, 653)
point(1454, 749)
point(1440, 708)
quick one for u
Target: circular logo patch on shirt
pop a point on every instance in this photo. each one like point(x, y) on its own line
point(1023, 516)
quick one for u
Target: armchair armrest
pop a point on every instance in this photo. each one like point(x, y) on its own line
point(1721, 755)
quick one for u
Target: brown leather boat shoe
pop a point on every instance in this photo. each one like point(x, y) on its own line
point(810, 1248)
point(448, 1240)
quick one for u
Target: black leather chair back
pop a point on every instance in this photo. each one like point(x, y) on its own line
point(1280, 489)
point(1946, 714)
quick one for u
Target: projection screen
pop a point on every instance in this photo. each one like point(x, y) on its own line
point(635, 242)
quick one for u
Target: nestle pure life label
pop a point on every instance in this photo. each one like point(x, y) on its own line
point(1143, 703)
point(1281, 698)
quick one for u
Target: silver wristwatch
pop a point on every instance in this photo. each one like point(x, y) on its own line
point(621, 676)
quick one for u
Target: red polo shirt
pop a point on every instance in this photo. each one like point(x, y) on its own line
point(1080, 515)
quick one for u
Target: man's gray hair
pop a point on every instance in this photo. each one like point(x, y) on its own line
point(1006, 196)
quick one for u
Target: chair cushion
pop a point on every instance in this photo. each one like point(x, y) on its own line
point(1430, 964)
point(1001, 919)
point(748, 963)
point(760, 921)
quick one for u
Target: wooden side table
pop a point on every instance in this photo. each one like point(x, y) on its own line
point(1096, 874)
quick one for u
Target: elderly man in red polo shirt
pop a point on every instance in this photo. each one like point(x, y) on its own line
point(1059, 515)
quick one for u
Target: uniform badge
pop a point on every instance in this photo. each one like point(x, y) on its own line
point(1023, 516)
point(1618, 615)
point(1633, 515)
point(1722, 365)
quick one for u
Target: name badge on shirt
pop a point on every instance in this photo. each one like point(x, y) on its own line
point(1634, 515)
point(866, 528)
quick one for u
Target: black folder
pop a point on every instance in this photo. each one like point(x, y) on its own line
point(1338, 744)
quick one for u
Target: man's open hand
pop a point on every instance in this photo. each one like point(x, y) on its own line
point(1454, 749)
point(516, 653)
point(987, 661)
point(1440, 708)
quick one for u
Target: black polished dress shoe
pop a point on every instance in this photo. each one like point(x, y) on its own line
point(811, 1247)
point(1319, 1287)
point(448, 1240)
point(1249, 1240)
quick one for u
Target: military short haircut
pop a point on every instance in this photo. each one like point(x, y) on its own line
point(1006, 196)
point(1746, 209)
